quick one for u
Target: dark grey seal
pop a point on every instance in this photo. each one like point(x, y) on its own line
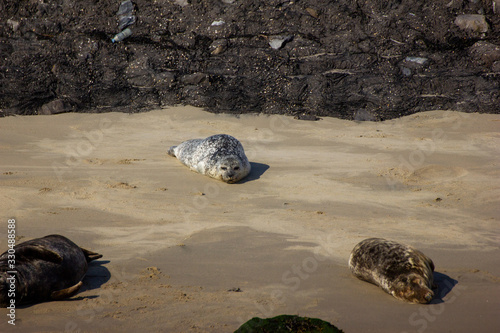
point(400, 270)
point(219, 156)
point(48, 268)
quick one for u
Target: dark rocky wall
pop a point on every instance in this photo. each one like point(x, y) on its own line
point(381, 58)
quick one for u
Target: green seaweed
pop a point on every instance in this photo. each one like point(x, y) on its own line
point(287, 323)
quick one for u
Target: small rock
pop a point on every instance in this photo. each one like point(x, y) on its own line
point(277, 42)
point(364, 115)
point(218, 46)
point(418, 60)
point(496, 6)
point(217, 23)
point(186, 39)
point(14, 25)
point(163, 80)
point(219, 29)
point(313, 12)
point(196, 78)
point(486, 52)
point(412, 64)
point(139, 74)
point(474, 22)
point(406, 71)
point(182, 3)
point(305, 116)
point(54, 107)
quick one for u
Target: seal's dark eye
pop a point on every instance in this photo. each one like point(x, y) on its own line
point(236, 168)
point(223, 168)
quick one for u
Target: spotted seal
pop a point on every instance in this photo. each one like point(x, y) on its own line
point(398, 269)
point(219, 156)
point(44, 269)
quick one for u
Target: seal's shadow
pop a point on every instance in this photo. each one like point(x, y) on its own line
point(444, 285)
point(96, 276)
point(258, 170)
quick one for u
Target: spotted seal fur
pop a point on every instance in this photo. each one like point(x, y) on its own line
point(219, 156)
point(400, 270)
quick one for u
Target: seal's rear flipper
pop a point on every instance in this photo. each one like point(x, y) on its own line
point(171, 151)
point(89, 255)
point(38, 252)
point(65, 293)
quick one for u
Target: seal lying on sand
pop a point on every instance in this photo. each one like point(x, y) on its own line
point(219, 156)
point(48, 268)
point(400, 270)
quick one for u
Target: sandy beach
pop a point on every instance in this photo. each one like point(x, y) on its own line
point(186, 253)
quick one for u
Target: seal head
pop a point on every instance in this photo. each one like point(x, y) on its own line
point(229, 169)
point(412, 288)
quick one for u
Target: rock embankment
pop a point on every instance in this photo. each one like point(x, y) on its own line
point(378, 58)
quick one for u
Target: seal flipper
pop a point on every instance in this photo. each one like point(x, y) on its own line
point(89, 255)
point(38, 252)
point(65, 293)
point(171, 151)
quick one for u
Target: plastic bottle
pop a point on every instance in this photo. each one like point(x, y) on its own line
point(122, 35)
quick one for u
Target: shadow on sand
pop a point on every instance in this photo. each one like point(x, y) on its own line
point(96, 276)
point(258, 170)
point(444, 285)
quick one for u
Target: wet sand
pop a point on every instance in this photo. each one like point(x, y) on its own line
point(186, 253)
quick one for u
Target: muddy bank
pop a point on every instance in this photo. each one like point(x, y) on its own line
point(371, 59)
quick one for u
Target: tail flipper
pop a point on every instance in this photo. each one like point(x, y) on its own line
point(171, 151)
point(65, 293)
point(89, 255)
